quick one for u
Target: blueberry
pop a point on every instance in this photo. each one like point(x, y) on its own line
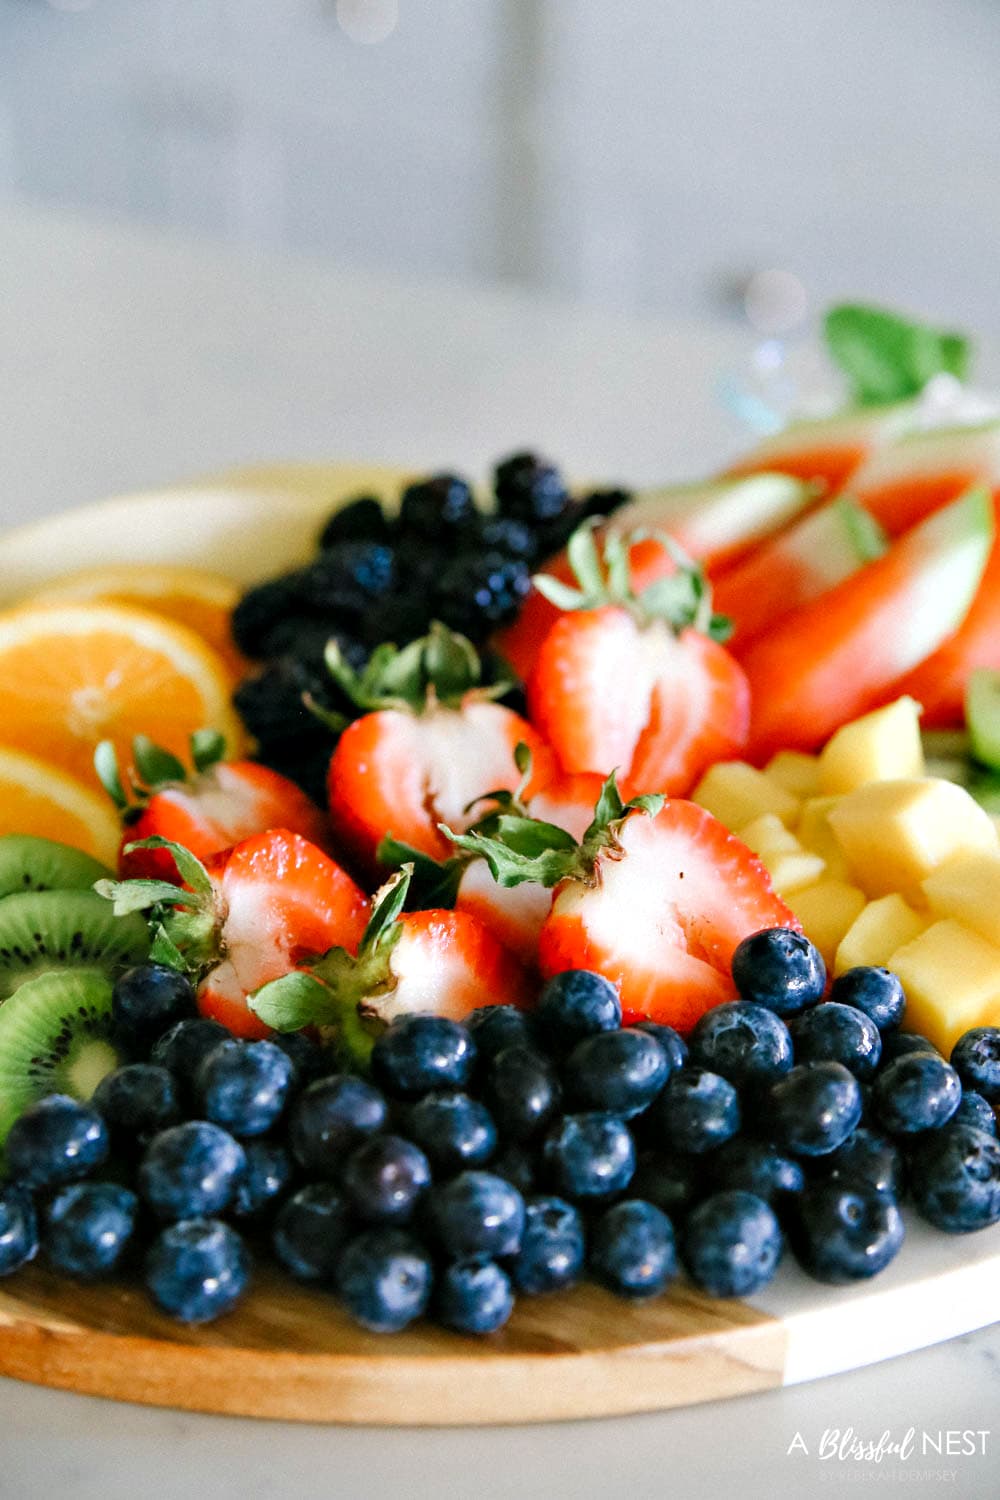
point(517, 1165)
point(310, 1230)
point(476, 1213)
point(973, 1109)
point(494, 1027)
point(746, 1043)
point(453, 1130)
point(759, 1167)
point(955, 1179)
point(697, 1111)
point(618, 1071)
point(149, 998)
point(88, 1228)
point(976, 1059)
point(523, 1091)
point(266, 1175)
point(502, 534)
point(575, 1004)
point(182, 1048)
point(54, 1141)
point(779, 969)
point(869, 1158)
point(838, 1033)
point(360, 520)
point(191, 1170)
point(919, 1092)
point(876, 992)
point(384, 1277)
point(731, 1244)
point(814, 1108)
point(478, 592)
point(330, 1118)
point(473, 1296)
point(589, 1155)
point(384, 1179)
point(632, 1249)
point(418, 1053)
point(18, 1228)
point(845, 1231)
point(553, 1247)
point(137, 1100)
point(673, 1044)
point(438, 508)
point(529, 489)
point(243, 1086)
point(673, 1183)
point(197, 1270)
point(897, 1044)
point(309, 1061)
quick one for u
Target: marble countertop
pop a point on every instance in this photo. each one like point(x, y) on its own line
point(129, 360)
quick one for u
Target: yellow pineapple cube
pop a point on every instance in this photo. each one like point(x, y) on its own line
point(768, 835)
point(881, 746)
point(826, 911)
point(883, 926)
point(968, 889)
point(791, 869)
point(952, 981)
point(797, 772)
point(815, 833)
point(894, 833)
point(736, 793)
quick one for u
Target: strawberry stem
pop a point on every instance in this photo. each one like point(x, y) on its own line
point(439, 668)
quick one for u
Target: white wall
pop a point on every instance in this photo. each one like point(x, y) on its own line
point(644, 154)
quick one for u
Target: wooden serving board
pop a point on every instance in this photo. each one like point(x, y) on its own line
point(289, 1352)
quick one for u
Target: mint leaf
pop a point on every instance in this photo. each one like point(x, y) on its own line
point(886, 357)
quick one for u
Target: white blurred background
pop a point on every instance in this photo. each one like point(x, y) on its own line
point(652, 156)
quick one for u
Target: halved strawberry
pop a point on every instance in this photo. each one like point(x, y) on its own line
point(637, 682)
point(656, 897)
point(247, 916)
point(433, 742)
point(205, 809)
point(441, 962)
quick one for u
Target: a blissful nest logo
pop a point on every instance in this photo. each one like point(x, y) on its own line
point(916, 1454)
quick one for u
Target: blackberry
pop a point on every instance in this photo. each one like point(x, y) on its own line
point(477, 591)
point(529, 489)
point(271, 705)
point(437, 507)
point(361, 520)
point(261, 609)
point(346, 579)
point(503, 534)
point(305, 761)
point(602, 503)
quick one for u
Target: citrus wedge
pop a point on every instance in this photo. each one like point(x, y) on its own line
point(193, 597)
point(72, 675)
point(36, 798)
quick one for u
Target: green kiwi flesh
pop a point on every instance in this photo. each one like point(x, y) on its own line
point(55, 1038)
point(28, 863)
point(44, 930)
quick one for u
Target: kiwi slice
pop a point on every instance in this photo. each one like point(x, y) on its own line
point(28, 863)
point(55, 1038)
point(43, 930)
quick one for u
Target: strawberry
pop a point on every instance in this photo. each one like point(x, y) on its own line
point(442, 962)
point(656, 897)
point(431, 743)
point(211, 808)
point(248, 915)
point(637, 682)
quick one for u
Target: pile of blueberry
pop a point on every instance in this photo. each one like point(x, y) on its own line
point(515, 1153)
point(380, 578)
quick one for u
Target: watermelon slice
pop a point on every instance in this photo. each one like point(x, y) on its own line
point(828, 450)
point(911, 478)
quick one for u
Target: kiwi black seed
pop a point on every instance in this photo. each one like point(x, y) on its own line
point(56, 1037)
point(43, 930)
point(28, 863)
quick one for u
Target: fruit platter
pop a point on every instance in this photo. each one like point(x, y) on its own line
point(509, 956)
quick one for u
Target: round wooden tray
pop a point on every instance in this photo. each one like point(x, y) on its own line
point(290, 1352)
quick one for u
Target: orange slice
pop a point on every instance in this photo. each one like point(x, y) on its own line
point(72, 675)
point(200, 600)
point(36, 798)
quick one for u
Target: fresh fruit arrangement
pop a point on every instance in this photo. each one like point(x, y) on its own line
point(586, 905)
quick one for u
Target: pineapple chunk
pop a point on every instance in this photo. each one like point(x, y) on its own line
point(797, 772)
point(952, 981)
point(968, 888)
point(880, 746)
point(736, 793)
point(826, 911)
point(881, 928)
point(895, 833)
point(791, 869)
point(768, 835)
point(815, 833)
